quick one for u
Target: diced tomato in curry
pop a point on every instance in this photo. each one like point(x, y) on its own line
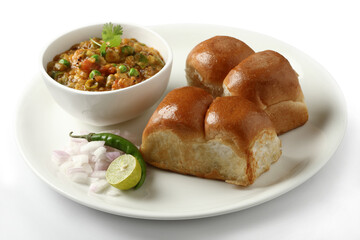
point(84, 67)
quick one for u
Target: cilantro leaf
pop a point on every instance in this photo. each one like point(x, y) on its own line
point(112, 34)
point(103, 49)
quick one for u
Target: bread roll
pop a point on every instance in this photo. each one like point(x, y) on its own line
point(228, 139)
point(267, 79)
point(211, 60)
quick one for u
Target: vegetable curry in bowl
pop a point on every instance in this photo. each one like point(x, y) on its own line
point(105, 64)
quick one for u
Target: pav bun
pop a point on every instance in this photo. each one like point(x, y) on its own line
point(210, 61)
point(228, 138)
point(267, 79)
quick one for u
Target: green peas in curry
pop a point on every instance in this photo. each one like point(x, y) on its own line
point(85, 67)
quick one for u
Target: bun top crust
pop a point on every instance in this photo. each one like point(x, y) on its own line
point(193, 115)
point(183, 111)
point(213, 58)
point(264, 78)
point(228, 138)
point(235, 119)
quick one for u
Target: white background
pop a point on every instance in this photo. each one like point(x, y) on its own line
point(328, 31)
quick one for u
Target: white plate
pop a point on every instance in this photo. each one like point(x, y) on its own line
point(43, 127)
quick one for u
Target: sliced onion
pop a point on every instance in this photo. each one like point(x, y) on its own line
point(114, 192)
point(99, 174)
point(99, 186)
point(80, 159)
point(59, 157)
point(101, 165)
point(91, 146)
point(99, 152)
point(111, 156)
point(73, 170)
point(65, 166)
point(79, 177)
point(87, 168)
point(86, 162)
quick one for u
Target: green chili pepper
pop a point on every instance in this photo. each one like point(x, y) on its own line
point(120, 143)
point(65, 62)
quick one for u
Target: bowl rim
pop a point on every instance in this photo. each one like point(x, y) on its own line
point(168, 63)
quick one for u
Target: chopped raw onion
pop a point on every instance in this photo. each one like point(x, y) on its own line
point(59, 157)
point(111, 156)
point(99, 186)
point(86, 162)
point(98, 174)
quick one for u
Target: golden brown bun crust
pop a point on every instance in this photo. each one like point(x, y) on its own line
point(267, 79)
point(235, 119)
point(182, 110)
point(228, 139)
point(210, 61)
point(264, 78)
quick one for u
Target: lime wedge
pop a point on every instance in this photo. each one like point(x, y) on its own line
point(124, 172)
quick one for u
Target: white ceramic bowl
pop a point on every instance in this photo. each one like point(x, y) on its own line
point(109, 107)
